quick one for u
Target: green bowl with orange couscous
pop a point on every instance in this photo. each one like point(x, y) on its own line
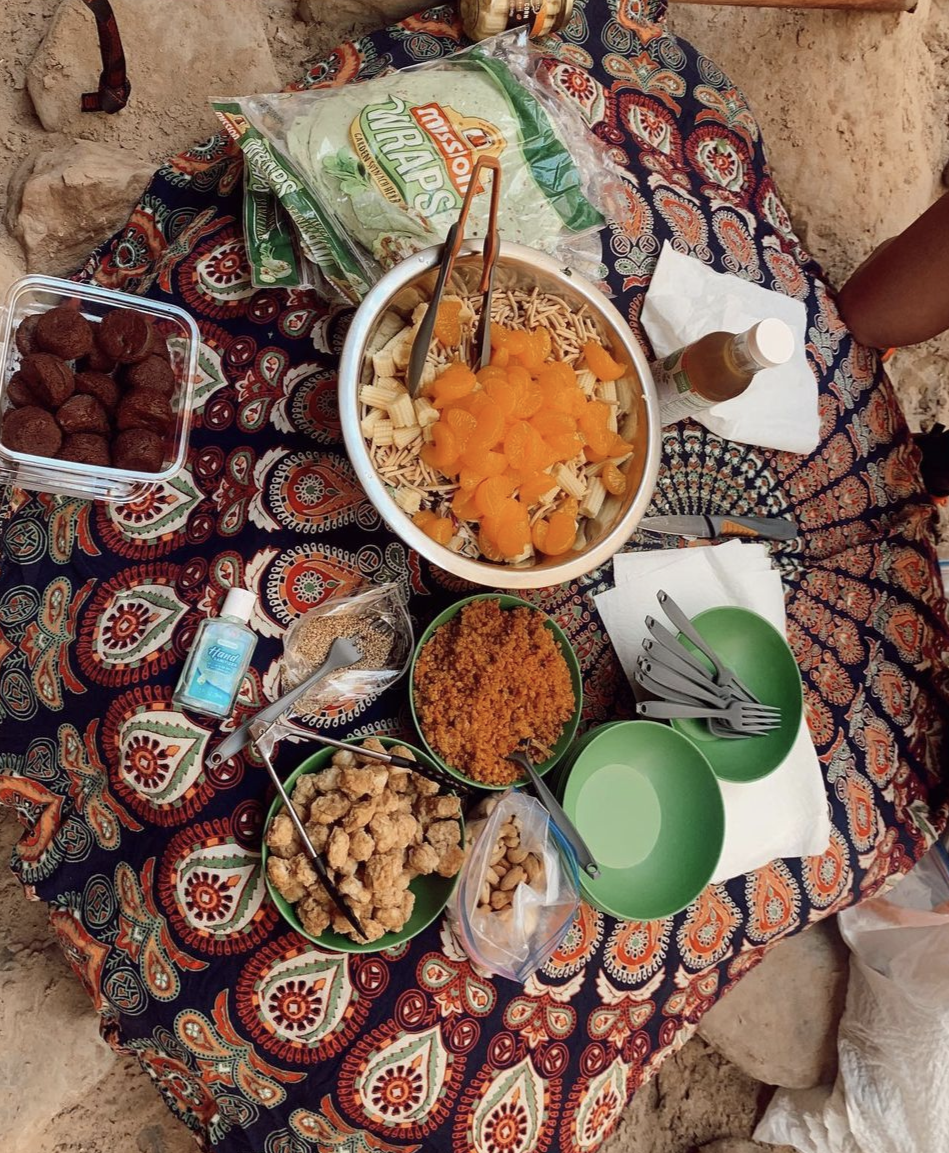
point(569, 728)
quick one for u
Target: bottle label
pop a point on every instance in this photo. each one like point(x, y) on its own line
point(213, 675)
point(677, 398)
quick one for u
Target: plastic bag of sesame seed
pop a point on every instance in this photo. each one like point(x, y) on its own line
point(377, 621)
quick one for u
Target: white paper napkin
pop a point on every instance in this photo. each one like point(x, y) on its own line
point(786, 813)
point(686, 300)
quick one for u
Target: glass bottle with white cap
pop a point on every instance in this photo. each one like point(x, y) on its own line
point(718, 367)
point(212, 676)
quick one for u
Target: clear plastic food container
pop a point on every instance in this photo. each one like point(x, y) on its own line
point(37, 294)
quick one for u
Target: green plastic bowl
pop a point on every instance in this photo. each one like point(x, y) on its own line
point(576, 680)
point(648, 805)
point(754, 649)
point(432, 892)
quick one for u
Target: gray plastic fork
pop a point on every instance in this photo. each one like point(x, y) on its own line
point(745, 718)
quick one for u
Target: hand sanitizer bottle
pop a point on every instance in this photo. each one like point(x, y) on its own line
point(211, 678)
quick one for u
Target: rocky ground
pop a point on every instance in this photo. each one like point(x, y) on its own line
point(853, 107)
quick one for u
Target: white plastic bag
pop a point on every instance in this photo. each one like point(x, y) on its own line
point(516, 945)
point(892, 1091)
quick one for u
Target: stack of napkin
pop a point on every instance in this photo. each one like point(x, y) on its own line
point(785, 814)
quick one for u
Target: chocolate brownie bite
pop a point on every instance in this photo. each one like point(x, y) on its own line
point(82, 414)
point(158, 344)
point(86, 448)
point(97, 361)
point(31, 429)
point(125, 335)
point(153, 373)
point(102, 387)
point(145, 408)
point(138, 449)
point(64, 332)
point(50, 378)
point(25, 336)
point(18, 392)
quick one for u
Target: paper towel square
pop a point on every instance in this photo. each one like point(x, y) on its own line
point(786, 813)
point(687, 299)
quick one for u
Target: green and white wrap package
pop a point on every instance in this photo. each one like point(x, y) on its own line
point(373, 172)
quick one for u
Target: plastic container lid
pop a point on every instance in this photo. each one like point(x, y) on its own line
point(239, 603)
point(771, 342)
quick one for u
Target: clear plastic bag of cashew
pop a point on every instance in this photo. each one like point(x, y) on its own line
point(519, 887)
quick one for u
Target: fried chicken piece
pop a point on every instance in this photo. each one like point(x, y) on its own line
point(364, 782)
point(360, 815)
point(302, 871)
point(450, 861)
point(328, 808)
point(393, 830)
point(354, 888)
point(344, 758)
point(423, 786)
point(383, 871)
point(348, 867)
point(326, 780)
point(305, 790)
point(406, 803)
point(423, 859)
point(278, 870)
point(443, 834)
point(318, 834)
point(388, 801)
point(314, 917)
point(437, 808)
point(337, 848)
point(361, 845)
point(282, 838)
point(391, 919)
point(374, 745)
point(399, 779)
point(408, 904)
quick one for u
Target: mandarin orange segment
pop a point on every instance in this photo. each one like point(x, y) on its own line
point(542, 336)
point(612, 479)
point(551, 423)
point(455, 382)
point(504, 395)
point(448, 323)
point(518, 342)
point(500, 357)
point(619, 447)
point(533, 486)
point(565, 446)
point(514, 534)
point(445, 446)
point(556, 374)
point(483, 462)
point(490, 427)
point(463, 506)
point(597, 436)
point(488, 548)
point(440, 529)
point(490, 495)
point(462, 424)
point(539, 534)
point(570, 507)
point(560, 535)
point(423, 517)
point(600, 363)
point(529, 400)
point(491, 372)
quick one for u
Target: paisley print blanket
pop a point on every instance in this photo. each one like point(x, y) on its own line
point(149, 859)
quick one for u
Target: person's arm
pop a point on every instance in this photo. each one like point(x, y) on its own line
point(900, 294)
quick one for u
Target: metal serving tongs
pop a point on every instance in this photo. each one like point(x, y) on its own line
point(452, 246)
point(265, 735)
point(567, 828)
point(431, 772)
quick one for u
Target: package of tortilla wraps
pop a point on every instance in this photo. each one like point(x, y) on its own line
point(388, 161)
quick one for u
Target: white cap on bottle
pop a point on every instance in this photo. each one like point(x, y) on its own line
point(239, 603)
point(770, 342)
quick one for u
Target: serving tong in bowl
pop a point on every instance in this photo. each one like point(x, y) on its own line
point(489, 258)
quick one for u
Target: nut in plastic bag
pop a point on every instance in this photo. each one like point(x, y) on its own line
point(519, 888)
point(377, 621)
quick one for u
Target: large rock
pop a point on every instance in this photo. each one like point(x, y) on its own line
point(69, 200)
point(779, 1024)
point(740, 1145)
point(365, 13)
point(176, 51)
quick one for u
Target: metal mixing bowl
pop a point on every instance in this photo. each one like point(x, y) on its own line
point(411, 282)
